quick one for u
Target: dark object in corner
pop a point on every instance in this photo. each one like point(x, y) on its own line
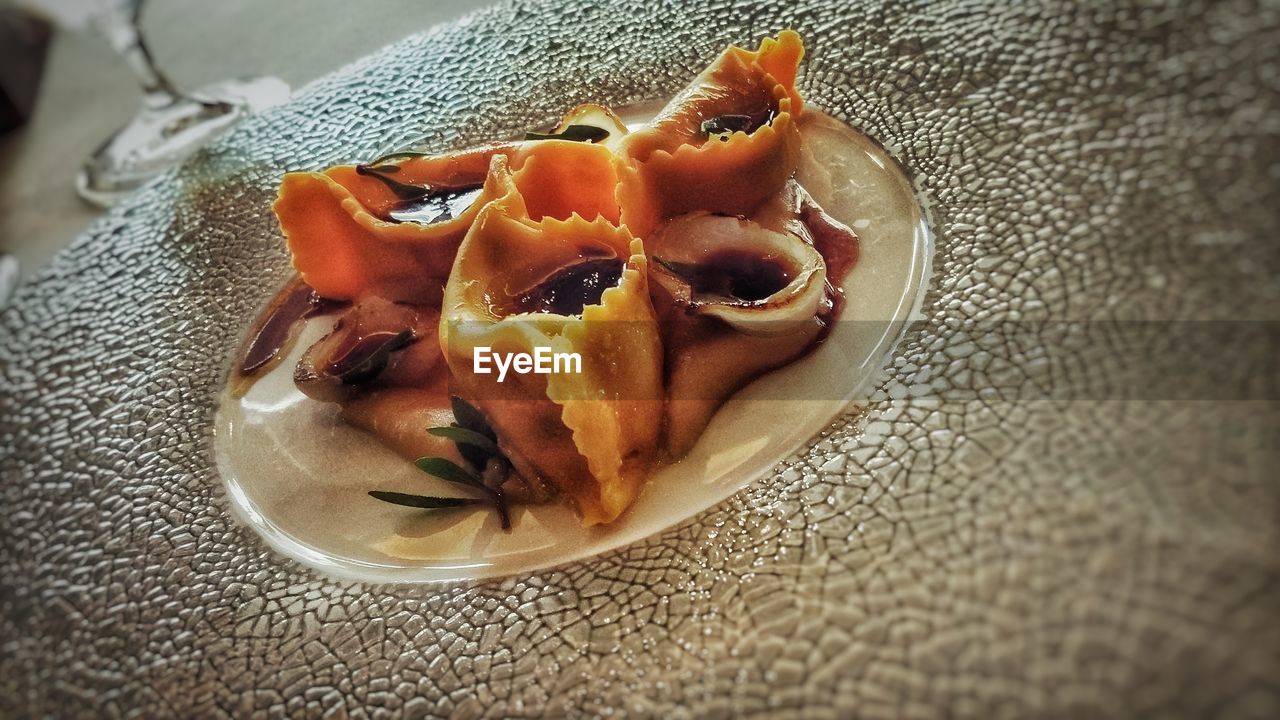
point(24, 43)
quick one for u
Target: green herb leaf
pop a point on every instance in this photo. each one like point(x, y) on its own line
point(424, 502)
point(470, 418)
point(575, 133)
point(665, 264)
point(449, 471)
point(403, 191)
point(477, 442)
point(463, 436)
point(404, 154)
point(369, 358)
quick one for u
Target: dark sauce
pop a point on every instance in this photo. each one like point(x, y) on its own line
point(838, 246)
point(421, 204)
point(436, 206)
point(723, 125)
point(573, 288)
point(734, 275)
point(364, 357)
point(277, 326)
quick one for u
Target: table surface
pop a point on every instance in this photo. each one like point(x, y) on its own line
point(87, 91)
point(1076, 519)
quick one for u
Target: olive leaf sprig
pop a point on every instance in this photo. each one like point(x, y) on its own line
point(674, 268)
point(403, 191)
point(382, 160)
point(576, 133)
point(478, 445)
point(573, 133)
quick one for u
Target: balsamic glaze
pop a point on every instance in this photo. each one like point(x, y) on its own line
point(573, 288)
point(276, 327)
point(723, 125)
point(366, 356)
point(421, 204)
point(573, 133)
point(735, 275)
point(436, 206)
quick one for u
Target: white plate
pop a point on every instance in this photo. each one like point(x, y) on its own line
point(300, 477)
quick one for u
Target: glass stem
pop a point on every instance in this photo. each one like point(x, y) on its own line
point(124, 32)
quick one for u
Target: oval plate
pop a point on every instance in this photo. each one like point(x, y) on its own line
point(300, 476)
point(1007, 528)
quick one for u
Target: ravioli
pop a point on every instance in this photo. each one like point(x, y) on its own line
point(735, 299)
point(677, 262)
point(725, 144)
point(569, 285)
point(345, 231)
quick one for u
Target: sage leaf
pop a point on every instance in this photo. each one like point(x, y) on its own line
point(449, 471)
point(423, 502)
point(574, 133)
point(463, 436)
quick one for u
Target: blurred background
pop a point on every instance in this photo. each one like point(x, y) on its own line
point(65, 90)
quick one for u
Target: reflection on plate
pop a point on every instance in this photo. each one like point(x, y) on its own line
point(300, 476)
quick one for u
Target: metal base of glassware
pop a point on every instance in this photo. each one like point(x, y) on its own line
point(159, 138)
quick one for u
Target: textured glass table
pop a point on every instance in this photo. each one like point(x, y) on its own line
point(1027, 519)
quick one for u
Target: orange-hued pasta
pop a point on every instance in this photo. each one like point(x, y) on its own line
point(392, 228)
point(349, 236)
point(735, 299)
point(672, 263)
point(725, 144)
point(558, 179)
point(568, 286)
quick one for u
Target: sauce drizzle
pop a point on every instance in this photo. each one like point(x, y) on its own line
point(838, 246)
point(573, 288)
point(277, 327)
point(436, 206)
point(738, 276)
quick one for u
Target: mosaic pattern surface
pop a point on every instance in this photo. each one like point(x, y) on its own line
point(1020, 523)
